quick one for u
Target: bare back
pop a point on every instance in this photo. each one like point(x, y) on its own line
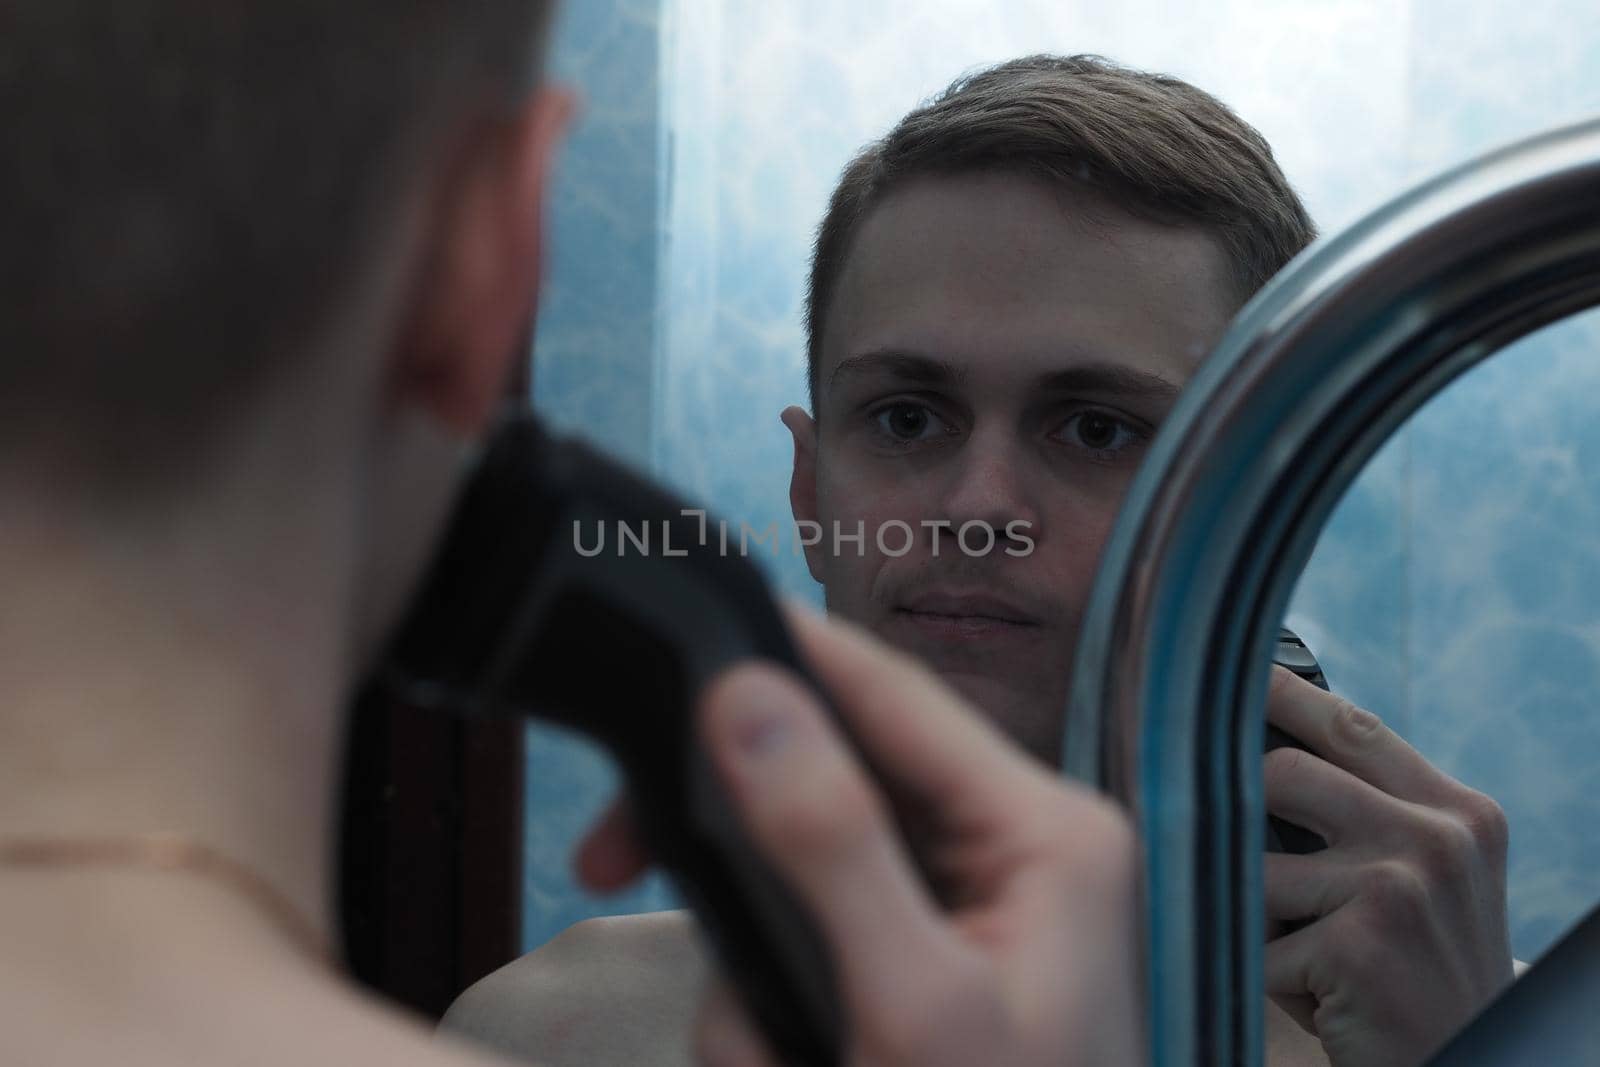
point(142, 969)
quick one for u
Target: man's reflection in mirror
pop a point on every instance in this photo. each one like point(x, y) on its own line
point(1007, 295)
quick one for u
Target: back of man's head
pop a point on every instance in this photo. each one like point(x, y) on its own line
point(1153, 145)
point(194, 186)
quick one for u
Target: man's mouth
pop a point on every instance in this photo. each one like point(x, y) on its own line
point(957, 615)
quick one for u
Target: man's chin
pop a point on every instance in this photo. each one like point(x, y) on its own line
point(1021, 716)
point(999, 674)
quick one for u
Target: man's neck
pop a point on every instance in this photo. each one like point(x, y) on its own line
point(152, 681)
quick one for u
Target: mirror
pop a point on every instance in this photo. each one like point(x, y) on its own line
point(671, 330)
point(1314, 376)
point(1453, 592)
point(1456, 591)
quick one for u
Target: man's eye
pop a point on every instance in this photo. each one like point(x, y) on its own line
point(907, 422)
point(1101, 432)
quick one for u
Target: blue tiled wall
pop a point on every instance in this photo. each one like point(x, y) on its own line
point(1454, 591)
point(594, 362)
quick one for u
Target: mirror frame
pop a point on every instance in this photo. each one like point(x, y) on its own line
point(1314, 375)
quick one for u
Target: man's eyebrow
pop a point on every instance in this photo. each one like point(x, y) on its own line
point(1093, 376)
point(1110, 378)
point(908, 366)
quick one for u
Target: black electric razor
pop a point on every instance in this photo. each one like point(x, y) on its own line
point(526, 611)
point(1291, 652)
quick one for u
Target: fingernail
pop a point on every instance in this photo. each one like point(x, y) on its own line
point(761, 733)
point(763, 715)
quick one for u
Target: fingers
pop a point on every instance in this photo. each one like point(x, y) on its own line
point(1305, 887)
point(917, 731)
point(610, 855)
point(965, 795)
point(1311, 792)
point(1364, 914)
point(810, 809)
point(1303, 1010)
point(1289, 966)
point(1045, 880)
point(1353, 739)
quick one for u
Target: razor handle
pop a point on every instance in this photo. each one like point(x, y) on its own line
point(569, 589)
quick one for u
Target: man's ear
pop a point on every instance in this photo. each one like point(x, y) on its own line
point(477, 289)
point(803, 480)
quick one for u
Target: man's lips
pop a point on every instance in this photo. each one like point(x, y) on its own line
point(965, 611)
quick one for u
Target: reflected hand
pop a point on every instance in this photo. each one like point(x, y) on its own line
point(1032, 960)
point(1408, 933)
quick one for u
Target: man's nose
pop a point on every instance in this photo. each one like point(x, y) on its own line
point(989, 483)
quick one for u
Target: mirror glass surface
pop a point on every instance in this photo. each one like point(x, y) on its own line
point(1455, 592)
point(1449, 592)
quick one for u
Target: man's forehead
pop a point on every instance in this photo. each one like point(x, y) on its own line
point(1003, 274)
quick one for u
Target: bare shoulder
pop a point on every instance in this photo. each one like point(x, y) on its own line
point(613, 990)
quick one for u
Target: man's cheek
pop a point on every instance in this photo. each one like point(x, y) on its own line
point(865, 518)
point(848, 586)
point(1074, 537)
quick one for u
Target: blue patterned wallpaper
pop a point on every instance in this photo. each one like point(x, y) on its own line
point(1454, 591)
point(594, 361)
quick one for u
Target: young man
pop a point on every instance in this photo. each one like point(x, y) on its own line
point(1008, 293)
point(265, 271)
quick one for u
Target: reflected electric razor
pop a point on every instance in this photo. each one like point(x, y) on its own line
point(569, 589)
point(1292, 653)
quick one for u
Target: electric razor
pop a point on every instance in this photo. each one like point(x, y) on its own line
point(569, 589)
point(1292, 653)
